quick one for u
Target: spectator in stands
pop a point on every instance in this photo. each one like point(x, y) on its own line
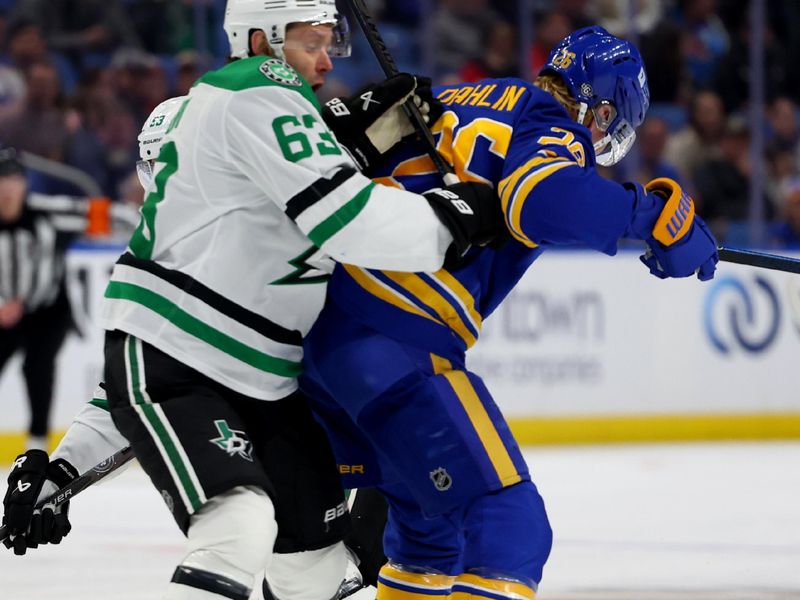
point(782, 120)
point(671, 83)
point(786, 232)
point(161, 26)
point(723, 182)
point(551, 28)
point(614, 16)
point(783, 150)
point(459, 29)
point(190, 66)
point(651, 139)
point(25, 46)
point(12, 91)
point(699, 140)
point(733, 78)
point(499, 59)
point(579, 12)
point(139, 80)
point(38, 127)
point(78, 28)
point(705, 40)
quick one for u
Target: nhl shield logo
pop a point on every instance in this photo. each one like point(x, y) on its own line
point(441, 479)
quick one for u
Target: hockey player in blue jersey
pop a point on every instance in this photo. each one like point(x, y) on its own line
point(385, 362)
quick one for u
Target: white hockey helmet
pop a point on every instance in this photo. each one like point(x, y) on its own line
point(152, 135)
point(273, 16)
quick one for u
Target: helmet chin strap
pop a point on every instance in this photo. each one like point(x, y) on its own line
point(584, 108)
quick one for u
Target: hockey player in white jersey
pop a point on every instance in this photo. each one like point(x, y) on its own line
point(251, 195)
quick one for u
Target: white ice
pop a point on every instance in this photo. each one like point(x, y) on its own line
point(633, 522)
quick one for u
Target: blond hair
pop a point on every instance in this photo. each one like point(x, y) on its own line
point(554, 85)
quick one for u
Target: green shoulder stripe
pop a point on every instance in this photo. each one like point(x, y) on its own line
point(339, 220)
point(99, 403)
point(259, 71)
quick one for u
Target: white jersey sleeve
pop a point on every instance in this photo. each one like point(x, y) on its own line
point(92, 436)
point(280, 141)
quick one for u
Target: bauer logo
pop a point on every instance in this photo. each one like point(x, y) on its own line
point(742, 315)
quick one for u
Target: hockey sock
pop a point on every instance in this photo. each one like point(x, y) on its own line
point(474, 587)
point(396, 583)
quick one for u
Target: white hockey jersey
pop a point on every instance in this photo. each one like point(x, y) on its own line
point(252, 196)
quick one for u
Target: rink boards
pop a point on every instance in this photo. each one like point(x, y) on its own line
point(587, 348)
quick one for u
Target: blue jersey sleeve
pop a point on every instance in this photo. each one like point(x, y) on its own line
point(551, 192)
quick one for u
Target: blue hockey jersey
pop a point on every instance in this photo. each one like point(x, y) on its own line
point(516, 137)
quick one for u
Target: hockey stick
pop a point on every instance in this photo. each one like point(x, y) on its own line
point(389, 67)
point(760, 259)
point(80, 483)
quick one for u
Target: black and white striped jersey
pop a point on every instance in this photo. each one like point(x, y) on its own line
point(32, 249)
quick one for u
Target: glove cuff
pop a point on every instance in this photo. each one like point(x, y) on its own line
point(61, 472)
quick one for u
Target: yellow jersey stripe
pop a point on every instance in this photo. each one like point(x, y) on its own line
point(376, 288)
point(458, 291)
point(514, 212)
point(492, 443)
point(468, 586)
point(440, 364)
point(440, 305)
point(509, 183)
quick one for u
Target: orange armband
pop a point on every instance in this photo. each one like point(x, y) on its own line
point(677, 215)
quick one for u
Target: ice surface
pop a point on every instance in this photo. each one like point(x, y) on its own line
point(633, 522)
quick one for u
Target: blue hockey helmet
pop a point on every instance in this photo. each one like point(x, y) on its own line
point(600, 69)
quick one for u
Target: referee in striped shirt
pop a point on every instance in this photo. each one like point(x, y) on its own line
point(35, 314)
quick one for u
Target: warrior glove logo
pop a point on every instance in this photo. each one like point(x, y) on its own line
point(367, 98)
point(441, 479)
point(234, 442)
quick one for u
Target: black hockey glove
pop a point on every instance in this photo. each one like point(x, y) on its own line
point(472, 213)
point(371, 122)
point(28, 526)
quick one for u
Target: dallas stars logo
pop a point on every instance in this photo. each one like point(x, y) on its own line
point(303, 271)
point(280, 72)
point(234, 442)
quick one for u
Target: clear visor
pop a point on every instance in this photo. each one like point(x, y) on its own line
point(613, 147)
point(335, 41)
point(144, 171)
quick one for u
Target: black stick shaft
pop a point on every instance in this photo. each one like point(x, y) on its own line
point(389, 67)
point(760, 259)
point(80, 483)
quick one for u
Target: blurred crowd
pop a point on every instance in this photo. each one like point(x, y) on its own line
point(78, 77)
